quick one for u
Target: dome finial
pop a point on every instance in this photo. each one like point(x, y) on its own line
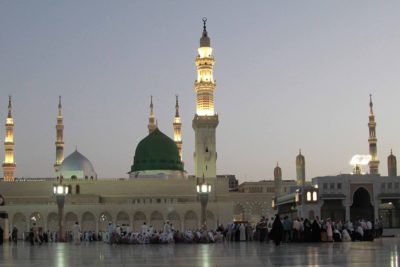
point(151, 105)
point(300, 151)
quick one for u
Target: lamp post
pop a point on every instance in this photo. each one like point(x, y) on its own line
point(59, 191)
point(203, 190)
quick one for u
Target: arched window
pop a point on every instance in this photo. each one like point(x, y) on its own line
point(308, 196)
point(314, 196)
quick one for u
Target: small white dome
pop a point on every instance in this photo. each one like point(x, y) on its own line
point(77, 165)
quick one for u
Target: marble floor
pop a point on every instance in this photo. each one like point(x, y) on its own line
point(381, 252)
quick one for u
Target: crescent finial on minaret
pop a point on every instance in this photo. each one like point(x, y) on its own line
point(9, 106)
point(59, 106)
point(204, 24)
point(370, 104)
point(176, 106)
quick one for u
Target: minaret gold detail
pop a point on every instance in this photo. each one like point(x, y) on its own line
point(300, 169)
point(152, 121)
point(205, 120)
point(9, 165)
point(59, 139)
point(392, 165)
point(372, 141)
point(178, 128)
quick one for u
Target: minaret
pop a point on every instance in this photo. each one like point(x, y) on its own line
point(205, 120)
point(392, 165)
point(300, 169)
point(374, 162)
point(278, 180)
point(152, 121)
point(9, 165)
point(59, 138)
point(177, 128)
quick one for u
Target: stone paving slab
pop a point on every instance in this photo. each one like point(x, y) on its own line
point(381, 252)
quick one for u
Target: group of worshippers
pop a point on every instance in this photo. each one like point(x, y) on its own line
point(168, 235)
point(237, 231)
point(304, 230)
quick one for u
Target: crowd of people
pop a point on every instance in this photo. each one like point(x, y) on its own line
point(167, 235)
point(316, 230)
point(276, 229)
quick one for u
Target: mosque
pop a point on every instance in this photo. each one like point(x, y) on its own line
point(159, 189)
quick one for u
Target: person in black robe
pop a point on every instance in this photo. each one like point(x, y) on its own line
point(307, 230)
point(316, 231)
point(276, 233)
point(1, 235)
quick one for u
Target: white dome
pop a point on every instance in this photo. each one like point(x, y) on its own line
point(77, 165)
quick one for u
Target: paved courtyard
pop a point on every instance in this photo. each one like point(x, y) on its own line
point(381, 252)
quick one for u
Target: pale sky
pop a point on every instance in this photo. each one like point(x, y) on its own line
point(290, 75)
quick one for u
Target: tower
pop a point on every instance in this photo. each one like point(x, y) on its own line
point(300, 169)
point(205, 120)
point(374, 162)
point(392, 165)
point(59, 139)
point(9, 165)
point(278, 180)
point(177, 124)
point(152, 121)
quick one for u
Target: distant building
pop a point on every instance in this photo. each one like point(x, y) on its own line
point(349, 196)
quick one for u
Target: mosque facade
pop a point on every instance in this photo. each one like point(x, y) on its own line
point(157, 189)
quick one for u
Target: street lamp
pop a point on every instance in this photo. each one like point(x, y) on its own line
point(59, 191)
point(203, 190)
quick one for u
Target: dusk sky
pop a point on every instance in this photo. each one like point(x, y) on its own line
point(290, 75)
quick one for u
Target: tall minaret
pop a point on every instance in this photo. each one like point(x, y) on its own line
point(9, 165)
point(374, 162)
point(177, 128)
point(59, 138)
point(392, 165)
point(278, 180)
point(300, 169)
point(152, 121)
point(205, 120)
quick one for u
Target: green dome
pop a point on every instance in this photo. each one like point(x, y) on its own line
point(157, 152)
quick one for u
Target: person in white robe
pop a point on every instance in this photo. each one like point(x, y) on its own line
point(144, 228)
point(242, 230)
point(109, 232)
point(76, 231)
